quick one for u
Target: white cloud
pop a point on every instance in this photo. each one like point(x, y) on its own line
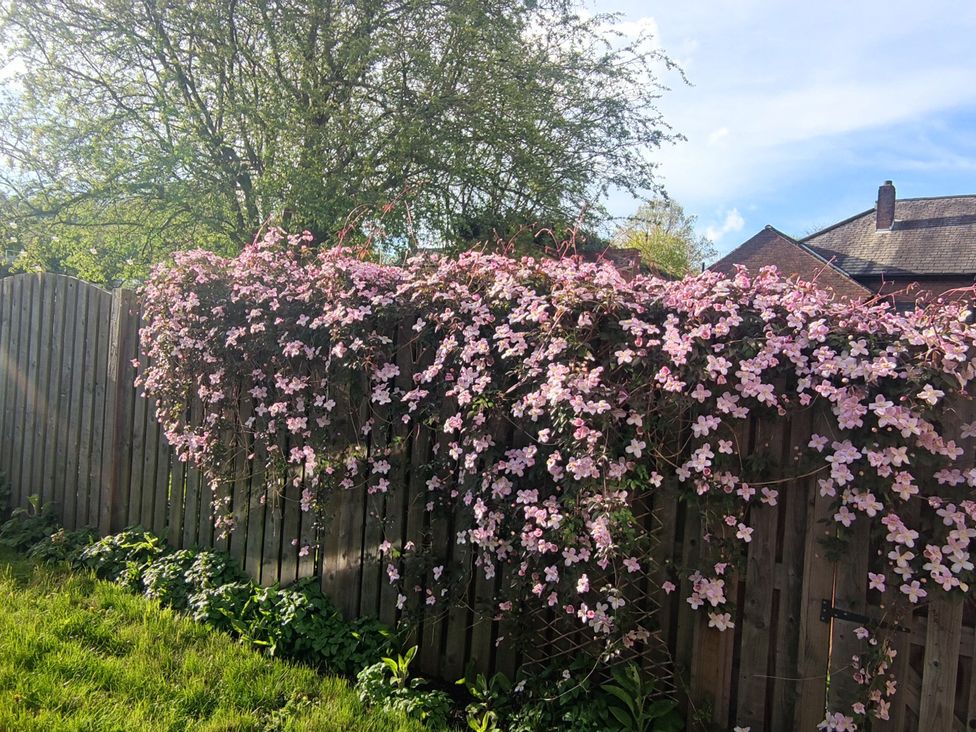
point(784, 91)
point(645, 26)
point(733, 222)
point(718, 135)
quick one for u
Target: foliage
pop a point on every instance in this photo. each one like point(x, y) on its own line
point(554, 698)
point(634, 707)
point(389, 686)
point(123, 557)
point(27, 526)
point(135, 128)
point(62, 546)
point(491, 699)
point(665, 237)
point(165, 578)
point(213, 569)
point(219, 606)
point(299, 622)
point(81, 654)
point(612, 386)
point(174, 579)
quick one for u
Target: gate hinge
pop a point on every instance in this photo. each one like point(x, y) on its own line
point(827, 611)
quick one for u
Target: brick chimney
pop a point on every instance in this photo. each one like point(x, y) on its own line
point(886, 207)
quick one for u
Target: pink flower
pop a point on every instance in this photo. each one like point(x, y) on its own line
point(914, 591)
point(636, 447)
point(720, 621)
point(876, 581)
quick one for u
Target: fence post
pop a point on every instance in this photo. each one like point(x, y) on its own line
point(119, 391)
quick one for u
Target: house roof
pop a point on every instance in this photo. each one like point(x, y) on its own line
point(930, 236)
point(792, 258)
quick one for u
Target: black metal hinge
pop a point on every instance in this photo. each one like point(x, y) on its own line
point(828, 612)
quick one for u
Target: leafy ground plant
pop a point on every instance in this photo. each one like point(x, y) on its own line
point(81, 654)
point(62, 545)
point(27, 526)
point(300, 622)
point(123, 557)
point(389, 686)
point(635, 706)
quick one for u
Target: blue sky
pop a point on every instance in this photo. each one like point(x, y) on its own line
point(797, 112)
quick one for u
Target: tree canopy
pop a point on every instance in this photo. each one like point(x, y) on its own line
point(139, 127)
point(665, 237)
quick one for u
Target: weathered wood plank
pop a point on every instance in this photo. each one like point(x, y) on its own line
point(155, 456)
point(177, 499)
point(818, 582)
point(65, 486)
point(191, 499)
point(381, 521)
point(711, 668)
point(205, 515)
point(941, 663)
point(435, 617)
point(271, 552)
point(347, 567)
point(96, 374)
point(794, 515)
point(242, 480)
point(117, 440)
point(291, 517)
point(850, 594)
point(53, 491)
point(38, 332)
point(757, 607)
point(25, 284)
point(459, 618)
point(257, 500)
point(4, 345)
point(970, 645)
point(140, 493)
point(13, 380)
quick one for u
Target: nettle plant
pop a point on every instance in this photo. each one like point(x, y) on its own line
point(557, 394)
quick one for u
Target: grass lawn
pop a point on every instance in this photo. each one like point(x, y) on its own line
point(80, 654)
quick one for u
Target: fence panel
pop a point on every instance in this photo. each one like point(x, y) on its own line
point(75, 431)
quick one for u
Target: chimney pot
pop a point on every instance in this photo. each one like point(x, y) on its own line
point(886, 207)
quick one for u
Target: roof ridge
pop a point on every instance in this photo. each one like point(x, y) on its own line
point(817, 255)
point(848, 220)
point(937, 198)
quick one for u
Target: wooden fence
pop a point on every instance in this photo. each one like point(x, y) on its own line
point(75, 432)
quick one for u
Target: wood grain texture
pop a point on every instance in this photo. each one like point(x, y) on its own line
point(942, 641)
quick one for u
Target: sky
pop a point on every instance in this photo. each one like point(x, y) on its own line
point(797, 112)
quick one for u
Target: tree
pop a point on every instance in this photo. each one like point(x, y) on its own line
point(665, 237)
point(142, 126)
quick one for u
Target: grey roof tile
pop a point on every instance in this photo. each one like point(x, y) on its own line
point(930, 236)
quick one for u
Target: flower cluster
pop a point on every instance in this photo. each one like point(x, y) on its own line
point(871, 672)
point(556, 394)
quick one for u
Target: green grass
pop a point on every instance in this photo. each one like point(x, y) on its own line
point(80, 654)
